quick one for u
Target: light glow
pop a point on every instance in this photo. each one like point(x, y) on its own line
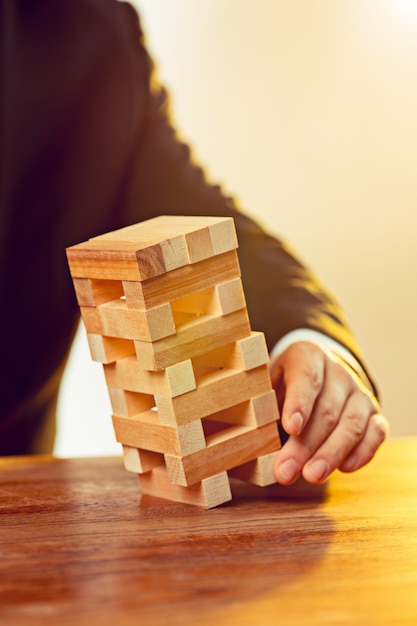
point(408, 7)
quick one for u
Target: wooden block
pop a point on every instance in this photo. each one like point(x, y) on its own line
point(113, 261)
point(181, 282)
point(180, 378)
point(205, 235)
point(168, 255)
point(199, 245)
point(225, 450)
point(217, 300)
point(230, 296)
point(192, 339)
point(127, 254)
point(150, 248)
point(109, 349)
point(141, 461)
point(258, 471)
point(200, 303)
point(265, 407)
point(253, 351)
point(114, 319)
point(145, 432)
point(129, 403)
point(95, 292)
point(148, 232)
point(223, 235)
point(126, 374)
point(216, 391)
point(243, 354)
point(162, 231)
point(181, 243)
point(211, 492)
point(253, 412)
point(222, 230)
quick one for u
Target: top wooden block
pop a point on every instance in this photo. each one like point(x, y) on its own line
point(152, 248)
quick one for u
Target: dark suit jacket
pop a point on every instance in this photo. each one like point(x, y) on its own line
point(87, 146)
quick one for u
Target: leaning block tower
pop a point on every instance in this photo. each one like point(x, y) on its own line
point(164, 309)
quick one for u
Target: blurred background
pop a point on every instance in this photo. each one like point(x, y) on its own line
point(306, 111)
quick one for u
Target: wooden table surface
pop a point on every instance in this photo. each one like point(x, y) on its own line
point(78, 545)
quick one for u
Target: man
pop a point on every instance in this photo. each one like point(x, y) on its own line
point(88, 146)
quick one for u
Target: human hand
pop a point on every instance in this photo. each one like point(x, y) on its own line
point(332, 418)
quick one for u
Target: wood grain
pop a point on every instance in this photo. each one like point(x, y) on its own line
point(225, 450)
point(145, 431)
point(192, 339)
point(127, 374)
point(80, 546)
point(216, 391)
point(114, 319)
point(152, 247)
point(182, 282)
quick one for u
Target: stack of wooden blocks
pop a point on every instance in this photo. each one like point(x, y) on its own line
point(165, 313)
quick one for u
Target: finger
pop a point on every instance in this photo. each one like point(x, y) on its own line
point(288, 467)
point(303, 370)
point(376, 433)
point(349, 432)
point(326, 414)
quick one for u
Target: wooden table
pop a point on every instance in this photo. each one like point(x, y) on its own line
point(79, 546)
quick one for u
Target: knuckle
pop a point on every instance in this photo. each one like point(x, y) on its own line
point(355, 426)
point(329, 417)
point(313, 374)
point(355, 419)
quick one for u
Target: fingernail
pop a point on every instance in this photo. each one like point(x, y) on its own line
point(288, 470)
point(319, 469)
point(296, 423)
